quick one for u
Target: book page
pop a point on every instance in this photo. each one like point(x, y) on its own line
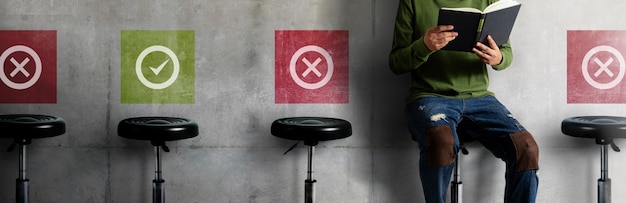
point(471, 10)
point(499, 5)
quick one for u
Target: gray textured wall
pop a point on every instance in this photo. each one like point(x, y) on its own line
point(235, 159)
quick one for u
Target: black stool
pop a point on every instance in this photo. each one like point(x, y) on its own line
point(22, 128)
point(311, 130)
point(157, 130)
point(603, 129)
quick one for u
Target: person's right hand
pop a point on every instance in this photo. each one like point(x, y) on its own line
point(439, 36)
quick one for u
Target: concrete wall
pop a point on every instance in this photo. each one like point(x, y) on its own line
point(235, 158)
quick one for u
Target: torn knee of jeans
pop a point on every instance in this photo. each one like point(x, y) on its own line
point(527, 151)
point(438, 117)
point(440, 146)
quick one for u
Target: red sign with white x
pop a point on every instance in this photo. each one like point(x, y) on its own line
point(311, 66)
point(596, 66)
point(28, 66)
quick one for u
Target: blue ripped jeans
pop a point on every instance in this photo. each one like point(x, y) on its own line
point(485, 120)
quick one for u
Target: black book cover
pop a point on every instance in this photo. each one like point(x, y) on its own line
point(499, 25)
point(465, 23)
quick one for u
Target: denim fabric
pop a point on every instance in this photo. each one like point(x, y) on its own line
point(485, 120)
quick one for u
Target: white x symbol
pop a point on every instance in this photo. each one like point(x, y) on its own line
point(19, 67)
point(604, 67)
point(311, 67)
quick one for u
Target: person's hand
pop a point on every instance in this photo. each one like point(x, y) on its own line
point(491, 54)
point(439, 36)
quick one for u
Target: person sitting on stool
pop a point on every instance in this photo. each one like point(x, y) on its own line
point(448, 87)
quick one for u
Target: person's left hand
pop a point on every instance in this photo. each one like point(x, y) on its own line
point(491, 54)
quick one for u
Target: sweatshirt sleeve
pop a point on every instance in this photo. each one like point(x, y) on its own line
point(507, 56)
point(408, 52)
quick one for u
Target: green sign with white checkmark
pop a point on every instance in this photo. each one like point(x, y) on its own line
point(157, 67)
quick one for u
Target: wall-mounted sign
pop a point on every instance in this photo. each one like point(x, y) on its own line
point(157, 67)
point(311, 66)
point(28, 64)
point(596, 66)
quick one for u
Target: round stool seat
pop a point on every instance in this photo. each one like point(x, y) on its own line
point(311, 129)
point(598, 127)
point(30, 126)
point(157, 128)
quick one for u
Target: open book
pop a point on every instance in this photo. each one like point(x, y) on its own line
point(474, 25)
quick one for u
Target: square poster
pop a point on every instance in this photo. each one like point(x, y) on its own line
point(595, 66)
point(28, 60)
point(311, 66)
point(157, 67)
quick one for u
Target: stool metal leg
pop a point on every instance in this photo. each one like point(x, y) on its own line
point(21, 185)
point(456, 187)
point(457, 184)
point(604, 183)
point(309, 187)
point(158, 191)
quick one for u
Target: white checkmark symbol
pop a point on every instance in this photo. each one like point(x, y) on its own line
point(160, 68)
